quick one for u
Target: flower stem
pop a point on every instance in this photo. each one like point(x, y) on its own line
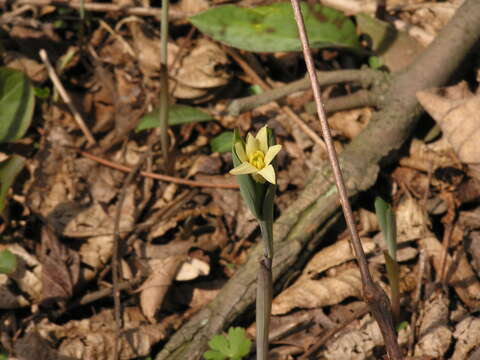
point(264, 291)
point(266, 227)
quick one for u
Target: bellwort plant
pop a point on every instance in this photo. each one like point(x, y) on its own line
point(256, 175)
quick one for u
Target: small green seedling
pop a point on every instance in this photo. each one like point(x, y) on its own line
point(386, 220)
point(8, 262)
point(235, 345)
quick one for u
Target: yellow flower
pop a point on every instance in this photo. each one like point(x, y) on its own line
point(256, 157)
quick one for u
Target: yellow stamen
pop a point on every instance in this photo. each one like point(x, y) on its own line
point(257, 159)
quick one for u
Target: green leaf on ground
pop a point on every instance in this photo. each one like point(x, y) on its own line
point(272, 28)
point(222, 143)
point(177, 115)
point(17, 101)
point(9, 169)
point(8, 262)
point(235, 345)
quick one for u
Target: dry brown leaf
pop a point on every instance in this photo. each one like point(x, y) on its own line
point(457, 111)
point(307, 293)
point(412, 220)
point(403, 254)
point(153, 290)
point(355, 344)
point(94, 338)
point(33, 346)
point(191, 269)
point(60, 268)
point(9, 300)
point(463, 279)
point(428, 157)
point(350, 123)
point(33, 69)
point(434, 334)
point(333, 255)
point(368, 222)
point(206, 164)
point(467, 333)
point(191, 6)
point(197, 294)
point(27, 276)
point(203, 68)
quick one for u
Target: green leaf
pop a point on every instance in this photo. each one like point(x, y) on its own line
point(177, 115)
point(251, 190)
point(239, 343)
point(219, 343)
point(42, 93)
point(9, 169)
point(222, 143)
point(8, 262)
point(16, 103)
point(375, 62)
point(234, 346)
point(386, 220)
point(272, 28)
point(213, 355)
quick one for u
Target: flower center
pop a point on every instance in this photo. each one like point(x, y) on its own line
point(257, 159)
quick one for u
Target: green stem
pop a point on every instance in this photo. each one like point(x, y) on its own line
point(266, 227)
point(264, 291)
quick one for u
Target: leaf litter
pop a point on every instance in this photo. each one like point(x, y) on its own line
point(180, 246)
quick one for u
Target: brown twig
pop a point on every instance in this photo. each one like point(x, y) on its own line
point(286, 109)
point(63, 93)
point(356, 100)
point(104, 7)
point(374, 295)
point(156, 176)
point(116, 269)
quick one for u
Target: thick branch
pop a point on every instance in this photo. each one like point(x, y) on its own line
point(365, 78)
point(295, 230)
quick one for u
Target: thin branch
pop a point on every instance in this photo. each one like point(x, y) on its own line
point(164, 90)
point(156, 176)
point(66, 98)
point(104, 7)
point(116, 270)
point(374, 295)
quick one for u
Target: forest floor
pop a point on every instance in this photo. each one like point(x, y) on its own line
point(180, 227)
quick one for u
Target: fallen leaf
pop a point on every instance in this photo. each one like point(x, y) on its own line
point(467, 335)
point(94, 337)
point(457, 111)
point(355, 344)
point(434, 334)
point(463, 279)
point(60, 268)
point(191, 269)
point(412, 220)
point(154, 289)
point(307, 293)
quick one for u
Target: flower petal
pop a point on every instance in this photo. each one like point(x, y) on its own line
point(268, 173)
point(243, 169)
point(271, 153)
point(262, 138)
point(252, 144)
point(240, 150)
